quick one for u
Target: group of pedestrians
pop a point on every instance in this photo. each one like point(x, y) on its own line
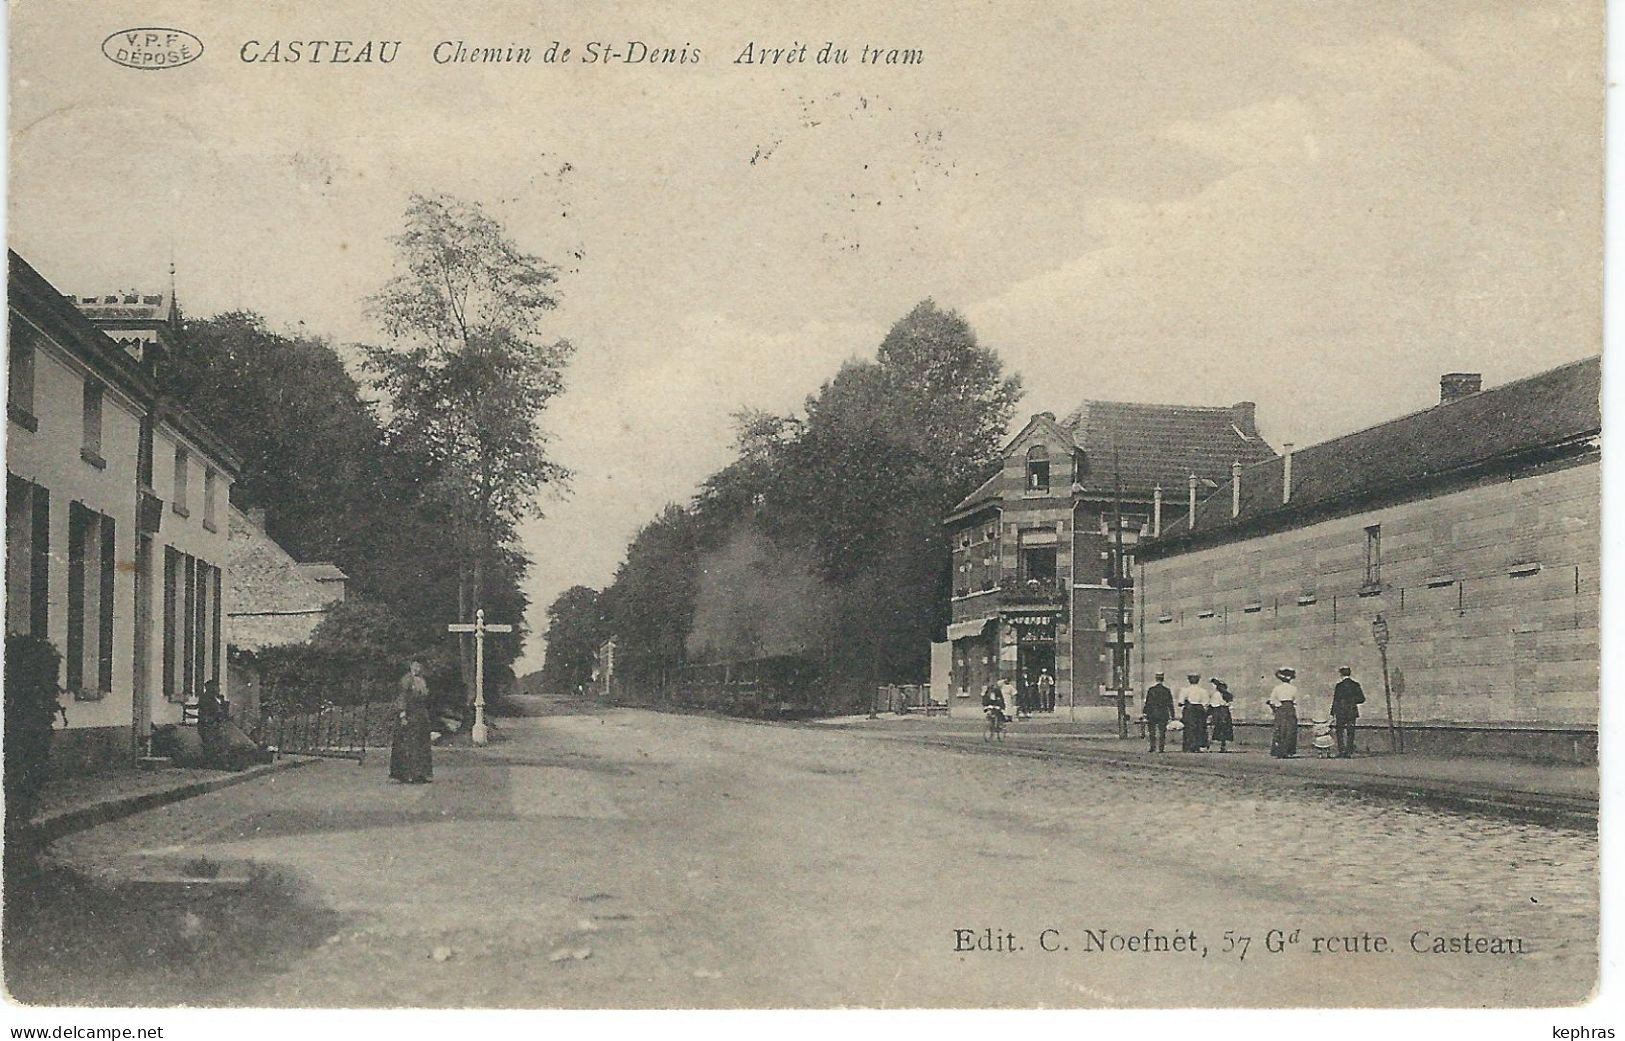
point(1036, 696)
point(1205, 715)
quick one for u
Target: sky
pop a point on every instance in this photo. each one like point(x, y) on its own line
point(1317, 207)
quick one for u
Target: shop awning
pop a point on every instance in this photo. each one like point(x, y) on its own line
point(965, 630)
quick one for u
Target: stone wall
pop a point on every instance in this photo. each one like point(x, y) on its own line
point(1490, 593)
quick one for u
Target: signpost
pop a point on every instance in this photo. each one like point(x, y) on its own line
point(479, 629)
point(1379, 633)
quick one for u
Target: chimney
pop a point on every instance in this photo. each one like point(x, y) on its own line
point(1156, 511)
point(256, 516)
point(1192, 522)
point(1453, 386)
point(1286, 473)
point(1244, 415)
point(1235, 488)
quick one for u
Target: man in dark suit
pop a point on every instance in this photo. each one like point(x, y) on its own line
point(1347, 697)
point(1159, 709)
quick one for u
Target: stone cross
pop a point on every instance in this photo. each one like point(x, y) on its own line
point(479, 629)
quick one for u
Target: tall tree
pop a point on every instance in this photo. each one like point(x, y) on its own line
point(468, 373)
point(289, 408)
point(649, 608)
point(863, 479)
point(575, 630)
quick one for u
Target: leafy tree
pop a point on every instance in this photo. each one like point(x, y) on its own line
point(468, 374)
point(884, 450)
point(950, 392)
point(650, 607)
point(315, 455)
point(575, 630)
point(289, 408)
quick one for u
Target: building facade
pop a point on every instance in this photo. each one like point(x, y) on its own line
point(1037, 584)
point(1449, 557)
point(115, 526)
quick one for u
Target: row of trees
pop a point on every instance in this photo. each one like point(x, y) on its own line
point(413, 486)
point(849, 495)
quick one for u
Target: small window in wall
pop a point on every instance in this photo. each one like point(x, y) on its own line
point(178, 503)
point(1038, 469)
point(91, 443)
point(1373, 555)
point(208, 498)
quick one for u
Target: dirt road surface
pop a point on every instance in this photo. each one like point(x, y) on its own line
point(619, 858)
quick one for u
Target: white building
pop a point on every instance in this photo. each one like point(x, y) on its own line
point(116, 528)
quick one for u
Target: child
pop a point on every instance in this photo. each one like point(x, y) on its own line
point(1323, 737)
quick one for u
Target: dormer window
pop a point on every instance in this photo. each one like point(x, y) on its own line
point(1037, 469)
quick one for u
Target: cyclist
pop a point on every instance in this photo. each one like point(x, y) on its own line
point(993, 706)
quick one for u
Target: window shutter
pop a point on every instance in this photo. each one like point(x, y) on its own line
point(104, 649)
point(77, 522)
point(39, 579)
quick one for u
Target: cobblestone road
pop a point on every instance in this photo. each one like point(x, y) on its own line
point(634, 859)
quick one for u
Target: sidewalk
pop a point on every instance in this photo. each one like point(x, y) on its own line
point(71, 804)
point(1546, 792)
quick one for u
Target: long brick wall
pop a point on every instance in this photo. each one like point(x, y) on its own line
point(1490, 593)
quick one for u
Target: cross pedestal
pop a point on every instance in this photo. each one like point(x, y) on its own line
point(479, 629)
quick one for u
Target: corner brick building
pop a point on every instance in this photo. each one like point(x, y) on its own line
point(1471, 529)
point(1033, 546)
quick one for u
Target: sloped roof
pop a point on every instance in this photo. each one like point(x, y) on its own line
point(1162, 444)
point(1150, 445)
point(1559, 407)
point(323, 571)
point(29, 291)
point(987, 491)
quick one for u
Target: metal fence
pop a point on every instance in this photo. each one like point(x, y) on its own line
point(907, 697)
point(336, 731)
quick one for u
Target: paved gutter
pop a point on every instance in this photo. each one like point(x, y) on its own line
point(1538, 807)
point(50, 826)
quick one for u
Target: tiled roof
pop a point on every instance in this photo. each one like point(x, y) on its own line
point(1558, 407)
point(987, 491)
point(1151, 445)
point(323, 571)
point(1163, 444)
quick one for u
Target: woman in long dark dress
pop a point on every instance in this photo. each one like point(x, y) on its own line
point(409, 759)
point(1218, 715)
point(1193, 715)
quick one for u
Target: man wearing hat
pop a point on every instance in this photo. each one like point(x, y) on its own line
point(1283, 700)
point(1347, 697)
point(1159, 709)
point(1193, 713)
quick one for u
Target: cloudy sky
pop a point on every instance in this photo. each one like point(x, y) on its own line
point(1320, 207)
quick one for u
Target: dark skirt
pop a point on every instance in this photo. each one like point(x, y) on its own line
point(1284, 742)
point(1223, 728)
point(409, 758)
point(1194, 736)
